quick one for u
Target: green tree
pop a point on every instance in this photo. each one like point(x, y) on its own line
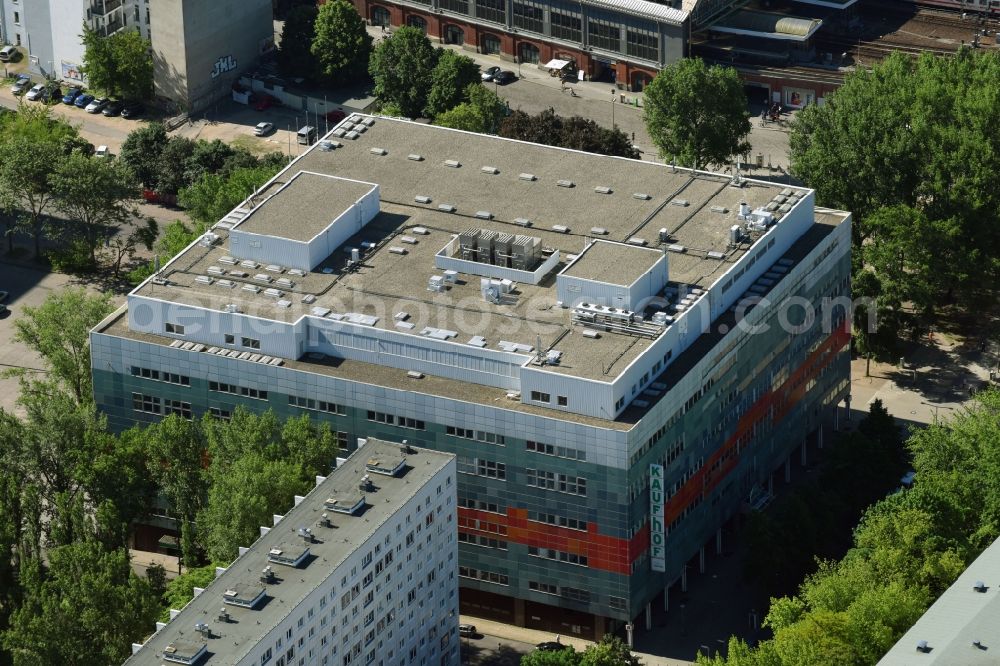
point(609, 651)
point(172, 166)
point(176, 458)
point(120, 64)
point(342, 45)
point(59, 330)
point(295, 58)
point(565, 657)
point(309, 445)
point(181, 589)
point(450, 81)
point(696, 114)
point(244, 497)
point(482, 112)
point(24, 182)
point(133, 57)
point(141, 152)
point(97, 195)
point(577, 133)
point(212, 197)
point(402, 67)
point(124, 244)
point(85, 609)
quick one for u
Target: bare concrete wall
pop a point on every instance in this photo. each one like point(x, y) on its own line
point(200, 47)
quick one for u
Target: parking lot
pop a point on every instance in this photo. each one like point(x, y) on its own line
point(25, 286)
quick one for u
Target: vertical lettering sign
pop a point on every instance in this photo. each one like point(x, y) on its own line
point(657, 536)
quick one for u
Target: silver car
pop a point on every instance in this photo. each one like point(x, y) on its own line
point(35, 93)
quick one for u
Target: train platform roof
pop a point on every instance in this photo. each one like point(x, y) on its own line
point(768, 25)
point(829, 4)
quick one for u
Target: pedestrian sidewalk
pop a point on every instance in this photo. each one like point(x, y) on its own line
point(534, 637)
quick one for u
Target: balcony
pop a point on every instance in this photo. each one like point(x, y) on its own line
point(103, 7)
point(112, 27)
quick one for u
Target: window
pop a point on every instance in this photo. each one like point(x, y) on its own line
point(482, 540)
point(566, 26)
point(619, 403)
point(485, 576)
point(617, 603)
point(478, 435)
point(176, 329)
point(538, 396)
point(529, 15)
point(156, 375)
point(253, 393)
point(559, 521)
point(558, 555)
point(221, 414)
point(559, 451)
point(604, 34)
point(545, 588)
point(457, 6)
point(379, 417)
point(575, 594)
point(643, 43)
point(492, 10)
point(482, 467)
point(146, 403)
point(17, 18)
point(182, 409)
point(343, 441)
point(221, 387)
point(564, 483)
point(561, 400)
point(230, 339)
point(406, 422)
point(541, 479)
point(480, 505)
point(250, 343)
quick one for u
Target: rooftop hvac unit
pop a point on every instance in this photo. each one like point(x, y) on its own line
point(484, 215)
point(565, 183)
point(421, 199)
point(599, 231)
point(601, 189)
point(203, 279)
point(227, 260)
point(524, 252)
point(664, 235)
point(468, 244)
point(735, 234)
point(262, 277)
point(378, 151)
point(679, 202)
point(641, 195)
point(420, 231)
point(446, 208)
point(436, 283)
point(715, 254)
point(527, 176)
point(454, 164)
point(560, 228)
point(492, 170)
point(415, 157)
point(395, 249)
point(635, 240)
point(484, 245)
point(502, 250)
point(744, 211)
point(355, 255)
point(522, 221)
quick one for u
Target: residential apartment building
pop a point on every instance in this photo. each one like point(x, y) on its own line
point(49, 30)
point(361, 571)
point(619, 352)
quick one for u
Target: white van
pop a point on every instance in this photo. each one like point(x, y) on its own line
point(307, 135)
point(8, 53)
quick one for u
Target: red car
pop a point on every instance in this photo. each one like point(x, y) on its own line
point(335, 116)
point(265, 102)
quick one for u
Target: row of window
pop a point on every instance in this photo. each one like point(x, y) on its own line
point(566, 592)
point(477, 435)
point(317, 405)
point(541, 396)
point(559, 521)
point(483, 525)
point(558, 555)
point(483, 575)
point(482, 467)
point(245, 391)
point(482, 540)
point(558, 451)
point(564, 483)
point(161, 376)
point(480, 505)
point(151, 404)
point(392, 419)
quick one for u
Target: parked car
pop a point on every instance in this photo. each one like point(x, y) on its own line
point(97, 105)
point(52, 94)
point(102, 152)
point(551, 646)
point(505, 76)
point(9, 54)
point(489, 73)
point(114, 108)
point(72, 94)
point(35, 92)
point(265, 102)
point(21, 84)
point(133, 110)
point(467, 630)
point(263, 129)
point(83, 100)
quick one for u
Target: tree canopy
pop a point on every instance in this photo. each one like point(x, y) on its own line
point(295, 58)
point(696, 113)
point(908, 548)
point(342, 45)
point(450, 81)
point(576, 132)
point(403, 67)
point(120, 64)
point(920, 137)
point(482, 112)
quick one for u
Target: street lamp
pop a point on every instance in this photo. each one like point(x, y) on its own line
point(612, 108)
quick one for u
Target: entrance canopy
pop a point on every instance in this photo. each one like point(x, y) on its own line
point(557, 64)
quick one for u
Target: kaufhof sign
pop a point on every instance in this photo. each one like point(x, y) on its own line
point(657, 531)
